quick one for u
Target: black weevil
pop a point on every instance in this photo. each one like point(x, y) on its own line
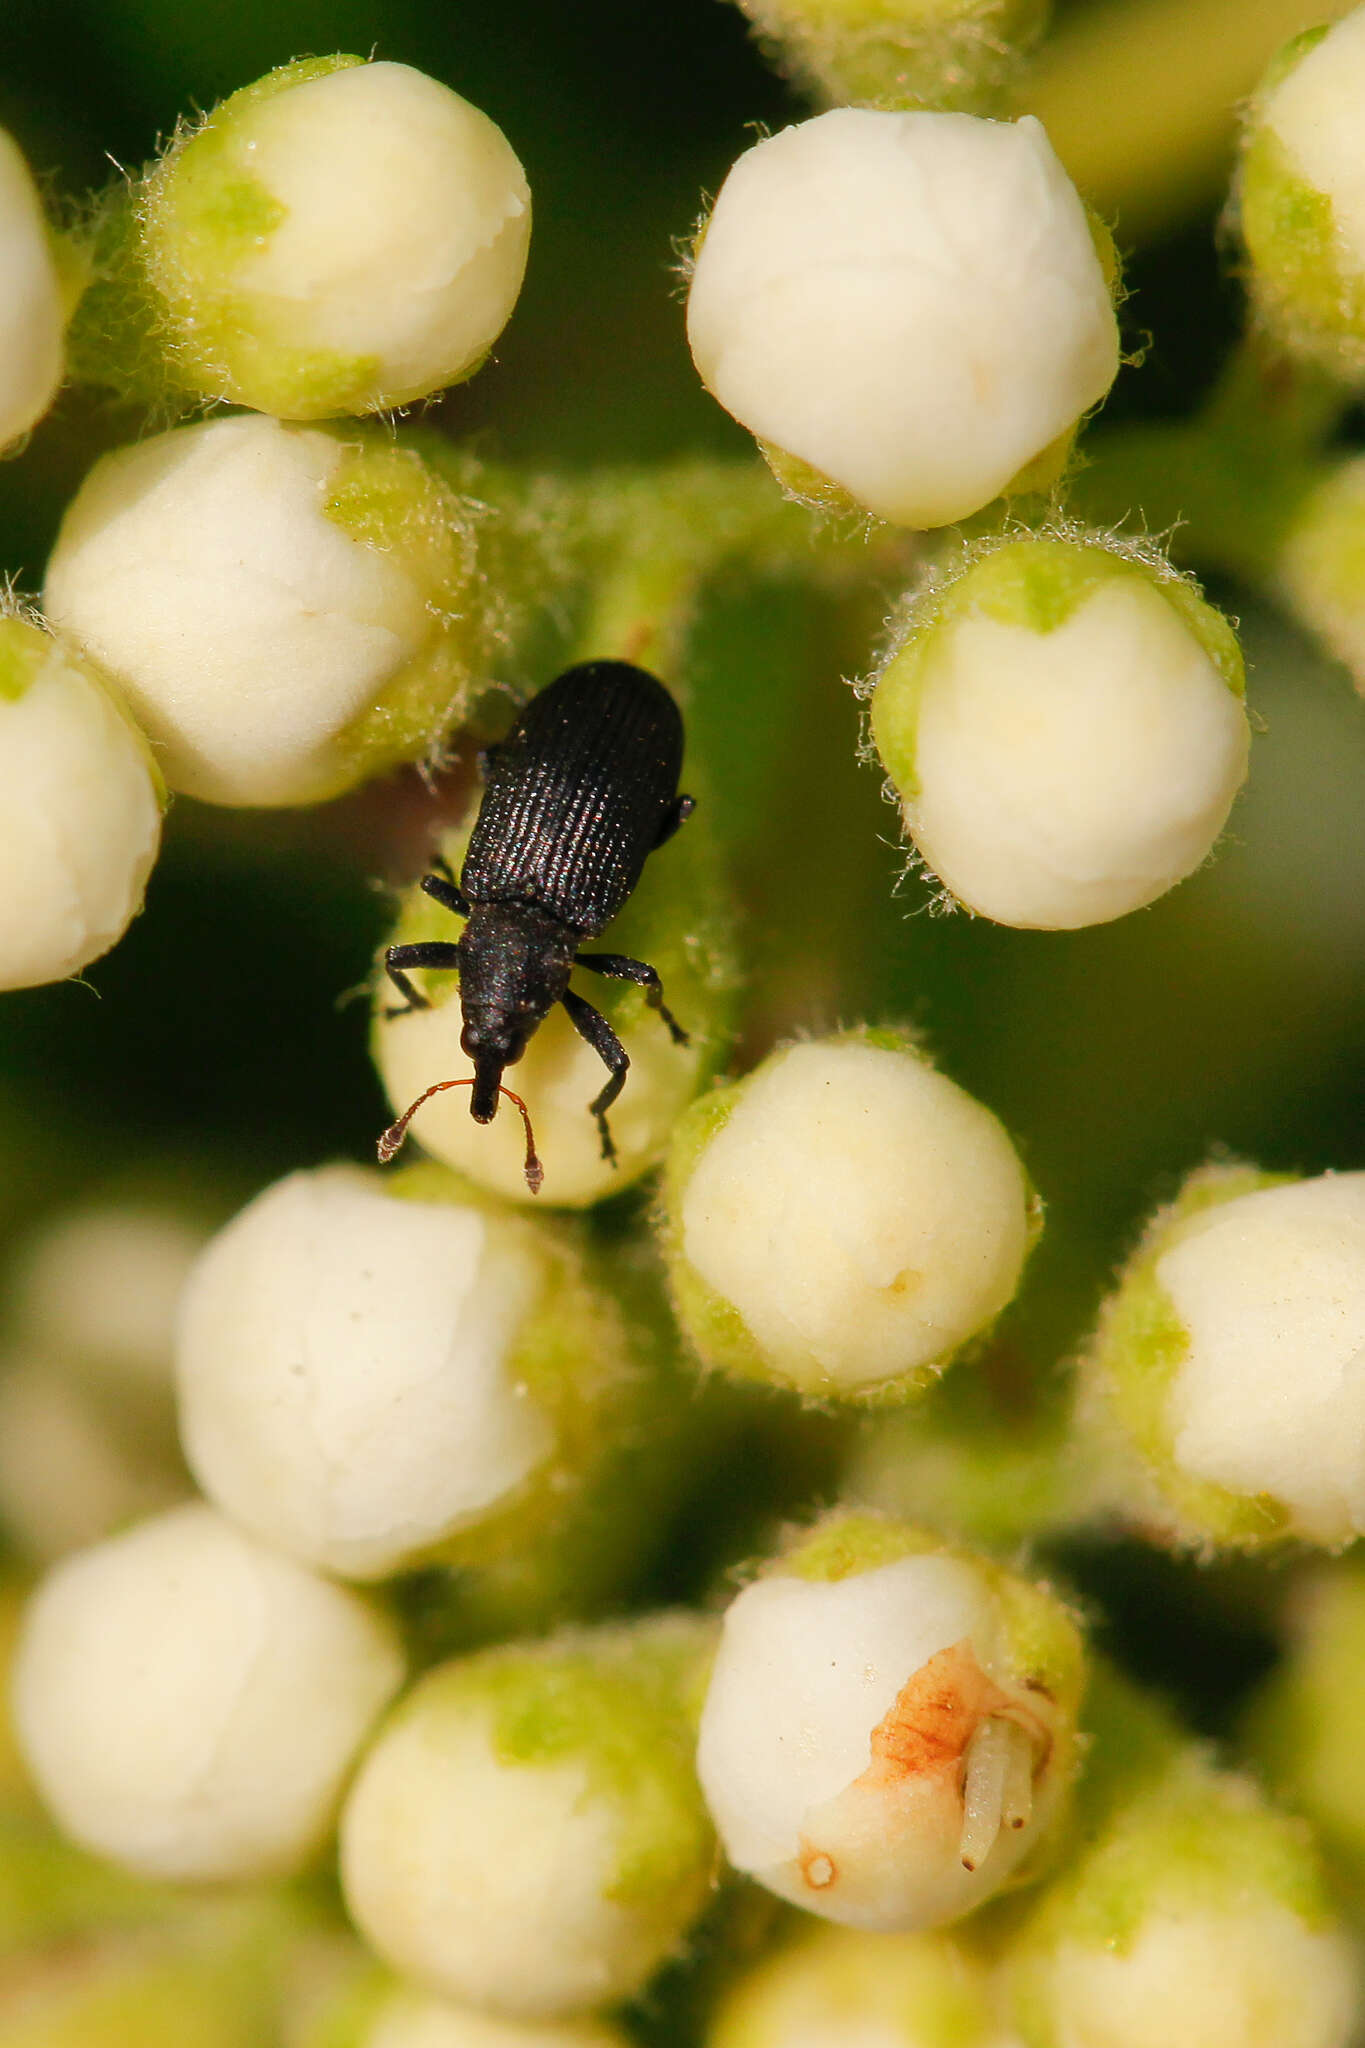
point(576, 798)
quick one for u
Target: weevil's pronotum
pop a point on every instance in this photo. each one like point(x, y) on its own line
point(579, 794)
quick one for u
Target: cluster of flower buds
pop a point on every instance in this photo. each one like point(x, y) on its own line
point(439, 1562)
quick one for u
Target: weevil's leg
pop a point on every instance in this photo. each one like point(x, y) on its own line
point(622, 968)
point(431, 953)
point(681, 808)
point(593, 1026)
point(441, 886)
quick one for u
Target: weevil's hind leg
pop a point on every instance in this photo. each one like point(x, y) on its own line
point(593, 1026)
point(680, 809)
point(431, 953)
point(441, 886)
point(622, 968)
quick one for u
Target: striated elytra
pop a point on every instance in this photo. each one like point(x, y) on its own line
point(579, 794)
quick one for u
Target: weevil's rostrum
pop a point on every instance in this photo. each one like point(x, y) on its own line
point(579, 794)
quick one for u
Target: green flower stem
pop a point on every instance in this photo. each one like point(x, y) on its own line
point(1229, 482)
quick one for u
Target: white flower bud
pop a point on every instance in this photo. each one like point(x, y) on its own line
point(285, 611)
point(887, 1743)
point(31, 314)
point(1065, 728)
point(407, 2018)
point(189, 1702)
point(843, 1220)
point(1244, 1974)
point(1268, 1397)
point(1319, 564)
point(837, 1987)
point(98, 1288)
point(80, 812)
point(1301, 196)
point(338, 237)
point(1189, 1912)
point(910, 304)
point(350, 1369)
point(66, 1477)
point(527, 1833)
point(1228, 1358)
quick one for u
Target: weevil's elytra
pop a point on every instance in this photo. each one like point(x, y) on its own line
point(579, 794)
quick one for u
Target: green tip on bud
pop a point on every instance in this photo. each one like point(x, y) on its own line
point(339, 237)
point(946, 54)
point(889, 1736)
point(1298, 199)
point(1062, 722)
point(1225, 1362)
point(1189, 1912)
point(843, 1220)
point(287, 611)
point(527, 1833)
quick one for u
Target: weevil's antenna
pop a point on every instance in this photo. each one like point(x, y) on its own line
point(395, 1134)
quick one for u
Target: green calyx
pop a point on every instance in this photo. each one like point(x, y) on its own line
point(23, 651)
point(386, 498)
point(1162, 1827)
point(621, 1704)
point(1139, 1349)
point(1161, 1833)
point(1307, 289)
point(846, 1543)
point(1036, 584)
point(200, 214)
point(950, 55)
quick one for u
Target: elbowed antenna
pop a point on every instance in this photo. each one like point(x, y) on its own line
point(395, 1134)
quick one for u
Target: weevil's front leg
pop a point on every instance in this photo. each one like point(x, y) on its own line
point(443, 888)
point(429, 953)
point(622, 968)
point(593, 1026)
